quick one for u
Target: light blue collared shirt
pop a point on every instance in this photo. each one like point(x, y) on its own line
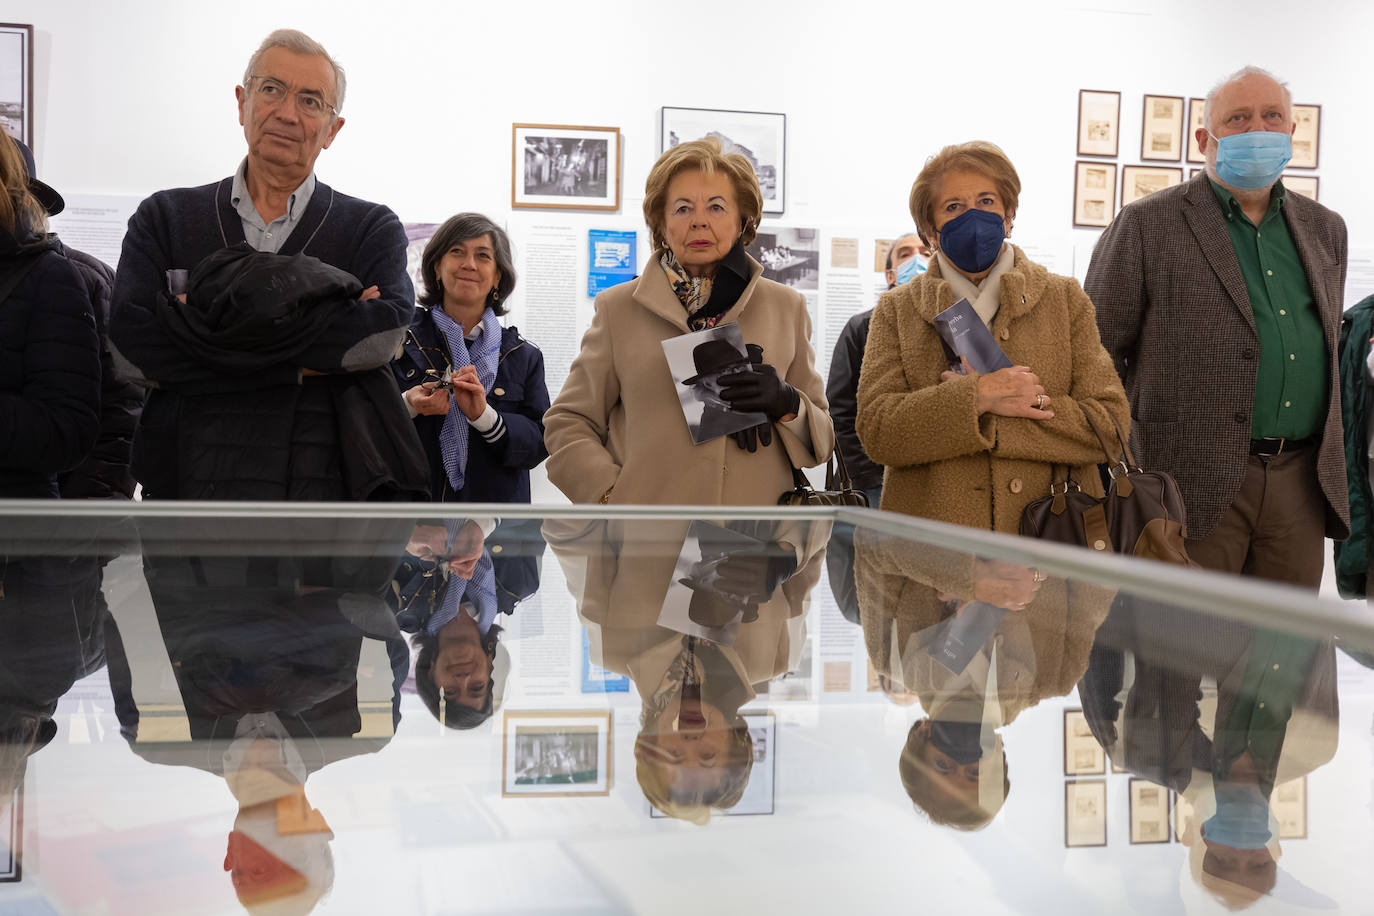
point(262, 235)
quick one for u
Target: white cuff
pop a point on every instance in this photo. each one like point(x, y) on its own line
point(486, 421)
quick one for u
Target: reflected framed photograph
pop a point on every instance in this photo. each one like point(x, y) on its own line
point(1183, 816)
point(1192, 173)
point(1289, 805)
point(556, 753)
point(759, 136)
point(1306, 185)
point(16, 81)
point(1094, 194)
point(1083, 756)
point(12, 835)
point(759, 792)
point(1306, 137)
point(1161, 128)
point(1139, 181)
point(1085, 813)
point(1149, 808)
point(1099, 122)
point(1195, 109)
point(559, 167)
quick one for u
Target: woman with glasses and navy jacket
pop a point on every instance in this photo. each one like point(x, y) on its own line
point(475, 389)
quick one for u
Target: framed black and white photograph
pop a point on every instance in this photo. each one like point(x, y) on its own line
point(758, 793)
point(12, 835)
point(1099, 122)
point(759, 136)
point(1094, 194)
point(1307, 136)
point(1195, 110)
point(1085, 813)
point(1306, 185)
point(1149, 809)
point(1083, 756)
point(1161, 128)
point(16, 81)
point(556, 753)
point(559, 167)
point(1139, 181)
point(697, 362)
point(792, 257)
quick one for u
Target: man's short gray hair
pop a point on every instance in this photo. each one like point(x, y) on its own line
point(1241, 74)
point(297, 42)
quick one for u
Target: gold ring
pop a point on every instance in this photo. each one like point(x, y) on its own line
point(1037, 575)
point(1039, 402)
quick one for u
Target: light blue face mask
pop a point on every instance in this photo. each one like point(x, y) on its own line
point(1242, 820)
point(1252, 160)
point(910, 268)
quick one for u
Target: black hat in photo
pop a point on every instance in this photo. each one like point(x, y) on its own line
point(711, 356)
point(50, 199)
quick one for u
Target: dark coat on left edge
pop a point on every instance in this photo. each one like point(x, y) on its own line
point(496, 472)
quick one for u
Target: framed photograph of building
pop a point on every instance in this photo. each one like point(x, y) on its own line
point(759, 136)
point(1149, 807)
point(556, 753)
point(1083, 756)
point(1085, 813)
point(558, 167)
point(1099, 122)
point(16, 81)
point(1139, 181)
point(1195, 109)
point(1306, 185)
point(1307, 137)
point(1161, 128)
point(1094, 194)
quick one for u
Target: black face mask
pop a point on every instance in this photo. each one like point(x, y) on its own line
point(958, 740)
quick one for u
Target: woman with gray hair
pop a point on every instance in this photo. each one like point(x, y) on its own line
point(475, 389)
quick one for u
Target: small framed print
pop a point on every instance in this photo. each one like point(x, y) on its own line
point(759, 136)
point(1195, 109)
point(1161, 128)
point(1083, 756)
point(556, 753)
point(1094, 193)
point(1149, 808)
point(1306, 137)
point(12, 835)
point(758, 793)
point(1139, 181)
point(565, 168)
point(16, 81)
point(1289, 805)
point(1085, 813)
point(1192, 173)
point(1099, 122)
point(1306, 185)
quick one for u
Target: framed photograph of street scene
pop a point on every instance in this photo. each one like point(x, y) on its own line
point(559, 167)
point(556, 753)
point(759, 136)
point(1307, 137)
point(16, 81)
point(1161, 128)
point(1094, 194)
point(1139, 181)
point(1306, 185)
point(1099, 122)
point(1195, 109)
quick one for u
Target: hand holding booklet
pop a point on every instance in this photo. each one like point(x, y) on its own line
point(963, 333)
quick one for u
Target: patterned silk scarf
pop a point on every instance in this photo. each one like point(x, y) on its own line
point(692, 292)
point(485, 355)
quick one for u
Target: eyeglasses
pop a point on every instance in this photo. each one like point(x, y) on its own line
point(308, 102)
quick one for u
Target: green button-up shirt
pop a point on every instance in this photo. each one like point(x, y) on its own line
point(1290, 388)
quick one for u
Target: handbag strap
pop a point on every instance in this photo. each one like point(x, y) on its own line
point(836, 459)
point(1121, 454)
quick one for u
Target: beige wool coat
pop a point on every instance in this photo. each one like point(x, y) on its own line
point(617, 424)
point(943, 460)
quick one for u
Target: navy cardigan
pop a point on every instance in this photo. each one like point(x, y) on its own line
point(497, 472)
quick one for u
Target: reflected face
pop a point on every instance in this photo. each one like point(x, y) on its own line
point(467, 272)
point(462, 669)
point(1255, 869)
point(963, 191)
point(279, 133)
point(701, 219)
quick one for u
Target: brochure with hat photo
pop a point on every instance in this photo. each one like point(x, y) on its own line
point(697, 362)
point(722, 576)
point(963, 334)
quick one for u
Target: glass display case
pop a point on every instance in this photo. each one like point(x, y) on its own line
point(213, 708)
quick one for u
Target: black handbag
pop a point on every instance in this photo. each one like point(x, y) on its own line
point(803, 494)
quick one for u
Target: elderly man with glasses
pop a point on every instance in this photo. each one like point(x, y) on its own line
point(262, 311)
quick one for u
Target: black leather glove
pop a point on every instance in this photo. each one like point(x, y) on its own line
point(760, 388)
point(750, 439)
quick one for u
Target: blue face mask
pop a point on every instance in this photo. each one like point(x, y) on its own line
point(910, 268)
point(1242, 818)
point(973, 239)
point(1253, 160)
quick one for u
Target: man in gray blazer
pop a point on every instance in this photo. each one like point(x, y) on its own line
point(1220, 301)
